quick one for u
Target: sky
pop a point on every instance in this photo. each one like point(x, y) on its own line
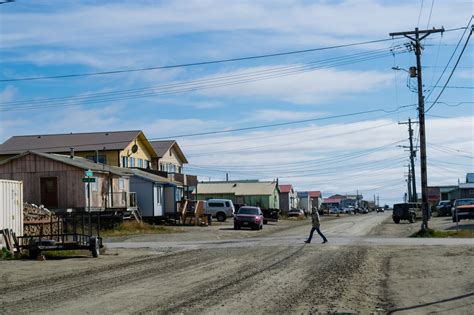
point(325, 118)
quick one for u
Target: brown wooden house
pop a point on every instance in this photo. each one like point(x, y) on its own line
point(56, 181)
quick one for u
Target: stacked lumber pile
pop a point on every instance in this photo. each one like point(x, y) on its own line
point(37, 220)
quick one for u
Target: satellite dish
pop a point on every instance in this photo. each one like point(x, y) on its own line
point(134, 148)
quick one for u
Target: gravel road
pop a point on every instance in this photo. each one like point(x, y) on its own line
point(269, 272)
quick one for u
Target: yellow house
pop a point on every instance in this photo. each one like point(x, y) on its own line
point(170, 156)
point(116, 148)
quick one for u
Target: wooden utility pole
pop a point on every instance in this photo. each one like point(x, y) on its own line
point(409, 183)
point(416, 42)
point(413, 196)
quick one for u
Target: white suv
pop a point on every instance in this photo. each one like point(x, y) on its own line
point(220, 209)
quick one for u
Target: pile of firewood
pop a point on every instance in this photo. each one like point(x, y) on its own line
point(37, 220)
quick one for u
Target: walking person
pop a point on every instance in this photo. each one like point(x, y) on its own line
point(316, 224)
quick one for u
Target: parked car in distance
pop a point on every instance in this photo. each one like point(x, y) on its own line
point(444, 207)
point(249, 217)
point(221, 209)
point(335, 210)
point(406, 211)
point(271, 214)
point(380, 209)
point(463, 209)
point(296, 213)
point(364, 210)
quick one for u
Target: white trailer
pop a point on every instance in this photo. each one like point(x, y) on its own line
point(11, 207)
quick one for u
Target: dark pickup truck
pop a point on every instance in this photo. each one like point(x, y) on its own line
point(270, 215)
point(463, 209)
point(406, 211)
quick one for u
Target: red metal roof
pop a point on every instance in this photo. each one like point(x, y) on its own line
point(314, 194)
point(285, 188)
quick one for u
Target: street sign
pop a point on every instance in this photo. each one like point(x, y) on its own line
point(88, 180)
point(89, 173)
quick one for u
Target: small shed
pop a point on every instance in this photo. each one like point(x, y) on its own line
point(56, 181)
point(156, 195)
point(11, 206)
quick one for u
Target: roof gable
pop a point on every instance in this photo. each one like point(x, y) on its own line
point(163, 146)
point(285, 188)
point(76, 161)
point(92, 141)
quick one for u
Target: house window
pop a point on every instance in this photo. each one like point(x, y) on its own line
point(124, 161)
point(102, 158)
point(173, 168)
point(179, 169)
point(147, 164)
point(132, 162)
point(121, 184)
point(162, 168)
point(140, 163)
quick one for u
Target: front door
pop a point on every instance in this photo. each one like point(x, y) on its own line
point(49, 191)
point(158, 201)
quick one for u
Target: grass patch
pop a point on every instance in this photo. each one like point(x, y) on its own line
point(135, 228)
point(441, 234)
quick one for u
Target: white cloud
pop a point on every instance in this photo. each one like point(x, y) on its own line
point(8, 94)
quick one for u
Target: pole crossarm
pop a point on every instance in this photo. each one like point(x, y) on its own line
point(427, 32)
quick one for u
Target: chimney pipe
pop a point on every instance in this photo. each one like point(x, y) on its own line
point(71, 156)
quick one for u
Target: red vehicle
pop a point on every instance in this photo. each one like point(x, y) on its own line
point(249, 217)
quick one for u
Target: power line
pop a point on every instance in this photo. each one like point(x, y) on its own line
point(452, 72)
point(192, 86)
point(236, 129)
point(192, 64)
point(451, 87)
point(451, 57)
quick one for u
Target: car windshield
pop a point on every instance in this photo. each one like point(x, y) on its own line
point(248, 211)
point(465, 202)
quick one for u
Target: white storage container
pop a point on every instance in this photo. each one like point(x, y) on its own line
point(11, 206)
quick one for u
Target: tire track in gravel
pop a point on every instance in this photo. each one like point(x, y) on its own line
point(103, 279)
point(222, 288)
point(37, 294)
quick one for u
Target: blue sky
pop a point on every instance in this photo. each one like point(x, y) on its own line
point(338, 155)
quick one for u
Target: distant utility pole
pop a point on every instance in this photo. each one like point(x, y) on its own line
point(409, 183)
point(414, 196)
point(416, 42)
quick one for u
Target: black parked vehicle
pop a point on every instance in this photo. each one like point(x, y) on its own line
point(270, 215)
point(406, 211)
point(444, 208)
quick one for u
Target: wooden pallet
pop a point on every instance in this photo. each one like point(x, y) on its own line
point(11, 242)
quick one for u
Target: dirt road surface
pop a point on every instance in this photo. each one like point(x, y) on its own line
point(368, 266)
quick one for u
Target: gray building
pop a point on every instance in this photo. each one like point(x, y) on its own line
point(157, 196)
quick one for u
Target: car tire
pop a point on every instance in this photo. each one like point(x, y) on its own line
point(396, 220)
point(221, 217)
point(265, 221)
point(412, 218)
point(236, 227)
point(94, 247)
point(33, 253)
point(261, 226)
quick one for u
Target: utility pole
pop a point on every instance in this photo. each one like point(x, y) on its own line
point(416, 42)
point(414, 196)
point(409, 183)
